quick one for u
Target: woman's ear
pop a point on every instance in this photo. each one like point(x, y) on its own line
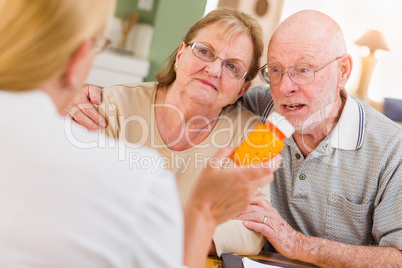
point(244, 88)
point(180, 51)
point(79, 64)
point(345, 68)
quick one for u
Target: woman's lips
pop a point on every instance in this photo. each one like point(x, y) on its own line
point(205, 82)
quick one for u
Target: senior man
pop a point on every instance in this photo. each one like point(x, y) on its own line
point(338, 194)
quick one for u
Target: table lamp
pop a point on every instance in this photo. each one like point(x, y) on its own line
point(374, 40)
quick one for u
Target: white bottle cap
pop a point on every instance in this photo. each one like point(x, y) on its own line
point(281, 123)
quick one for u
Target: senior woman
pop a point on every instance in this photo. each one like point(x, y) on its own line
point(187, 113)
point(58, 207)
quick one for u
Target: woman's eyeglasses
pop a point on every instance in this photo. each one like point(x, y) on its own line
point(208, 54)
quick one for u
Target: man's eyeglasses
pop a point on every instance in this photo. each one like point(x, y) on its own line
point(301, 75)
point(207, 53)
point(101, 44)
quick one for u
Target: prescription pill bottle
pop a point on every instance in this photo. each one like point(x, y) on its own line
point(264, 142)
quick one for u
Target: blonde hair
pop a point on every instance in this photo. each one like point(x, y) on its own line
point(233, 23)
point(38, 37)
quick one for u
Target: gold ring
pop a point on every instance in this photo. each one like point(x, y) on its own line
point(265, 220)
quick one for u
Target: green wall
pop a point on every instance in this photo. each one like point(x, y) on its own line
point(171, 20)
point(128, 6)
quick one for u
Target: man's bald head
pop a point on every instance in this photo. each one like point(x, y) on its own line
point(311, 26)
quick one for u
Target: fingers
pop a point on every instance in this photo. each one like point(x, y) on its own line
point(251, 209)
point(259, 211)
point(259, 215)
point(94, 94)
point(262, 174)
point(229, 191)
point(91, 95)
point(90, 114)
point(261, 222)
point(264, 168)
point(256, 214)
point(77, 115)
point(252, 176)
point(256, 177)
point(258, 227)
point(281, 235)
point(272, 165)
point(261, 202)
point(83, 111)
point(221, 158)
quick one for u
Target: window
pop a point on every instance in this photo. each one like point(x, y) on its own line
point(211, 5)
point(355, 17)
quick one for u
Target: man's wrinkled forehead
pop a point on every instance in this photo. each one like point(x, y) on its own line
point(298, 46)
point(296, 30)
point(297, 37)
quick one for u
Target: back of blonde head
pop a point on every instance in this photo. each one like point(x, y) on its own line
point(38, 37)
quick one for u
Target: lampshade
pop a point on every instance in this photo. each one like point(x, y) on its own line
point(373, 39)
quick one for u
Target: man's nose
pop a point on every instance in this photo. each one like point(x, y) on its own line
point(287, 86)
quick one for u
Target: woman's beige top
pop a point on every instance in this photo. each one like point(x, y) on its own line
point(130, 112)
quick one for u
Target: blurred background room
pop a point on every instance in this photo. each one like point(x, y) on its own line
point(145, 32)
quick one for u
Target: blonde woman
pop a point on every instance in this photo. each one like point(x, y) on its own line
point(188, 113)
point(62, 206)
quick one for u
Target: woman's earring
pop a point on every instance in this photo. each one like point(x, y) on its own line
point(175, 68)
point(233, 101)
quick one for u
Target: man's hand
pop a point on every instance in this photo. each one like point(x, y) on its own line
point(261, 217)
point(82, 108)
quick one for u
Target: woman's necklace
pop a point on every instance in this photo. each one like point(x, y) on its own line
point(189, 143)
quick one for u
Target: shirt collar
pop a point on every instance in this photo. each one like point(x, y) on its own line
point(29, 102)
point(348, 132)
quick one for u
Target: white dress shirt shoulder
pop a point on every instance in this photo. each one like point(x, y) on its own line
point(65, 206)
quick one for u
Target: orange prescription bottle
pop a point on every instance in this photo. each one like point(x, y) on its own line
point(264, 142)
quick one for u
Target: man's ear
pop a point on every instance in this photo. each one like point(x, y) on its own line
point(345, 68)
point(244, 88)
point(79, 64)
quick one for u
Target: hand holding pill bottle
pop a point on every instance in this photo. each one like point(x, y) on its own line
point(264, 142)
